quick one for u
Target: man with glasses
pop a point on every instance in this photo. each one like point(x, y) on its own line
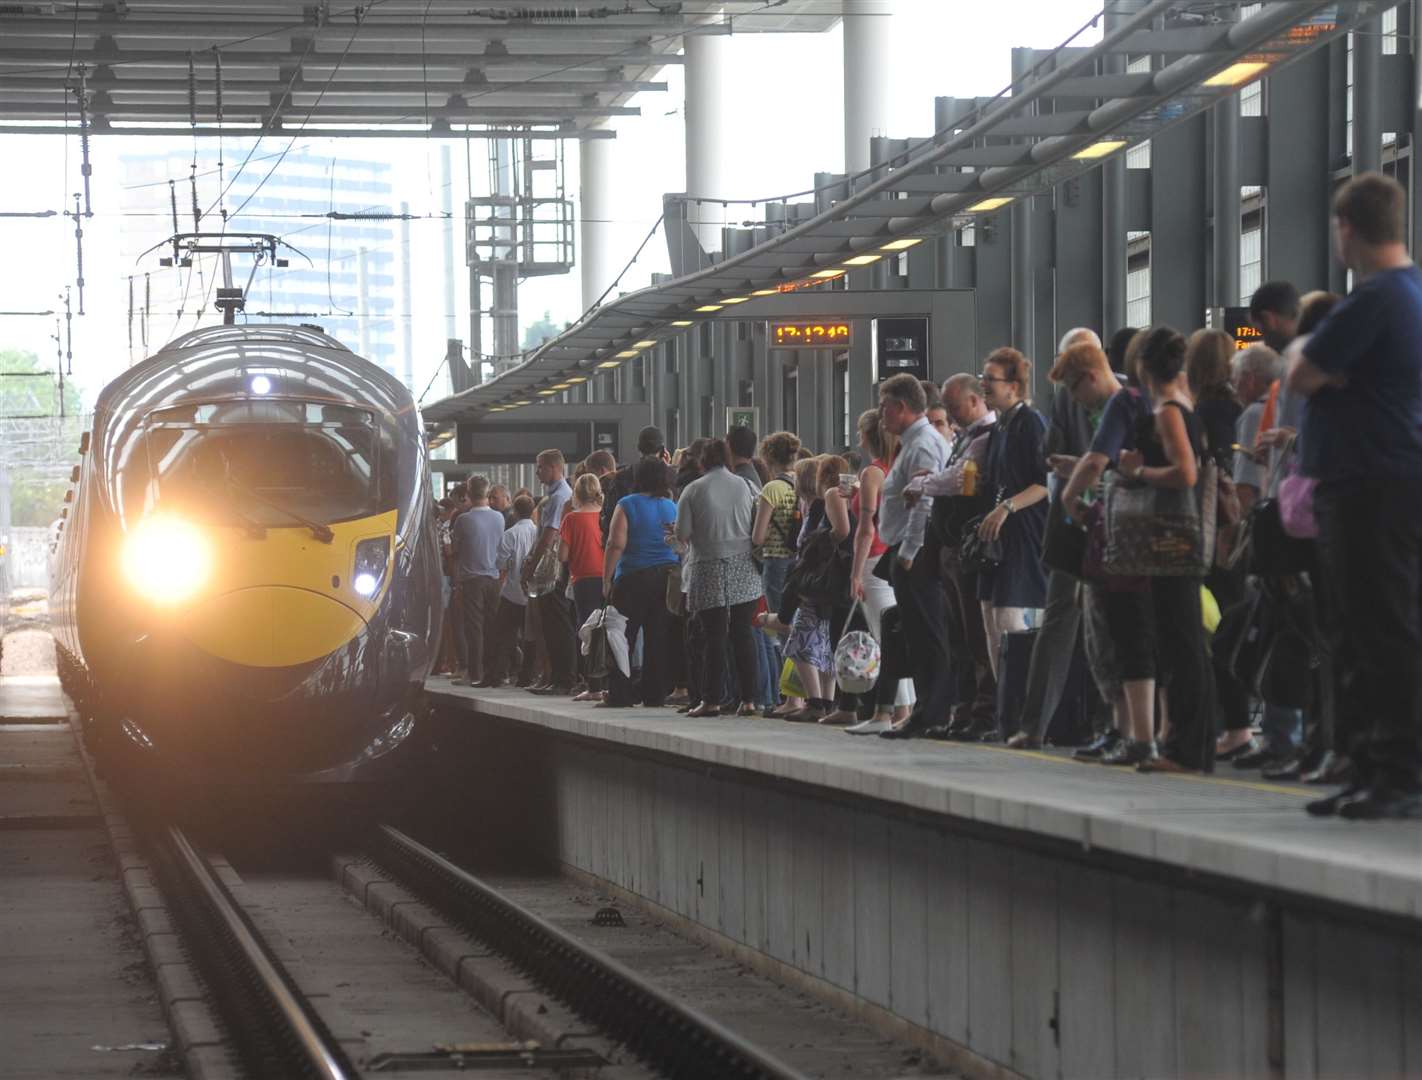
point(902, 526)
point(953, 508)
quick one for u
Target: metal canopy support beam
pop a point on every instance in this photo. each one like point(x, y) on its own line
point(1282, 30)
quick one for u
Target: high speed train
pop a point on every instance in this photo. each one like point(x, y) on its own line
point(246, 585)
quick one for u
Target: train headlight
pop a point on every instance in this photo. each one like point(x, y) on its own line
point(371, 558)
point(166, 559)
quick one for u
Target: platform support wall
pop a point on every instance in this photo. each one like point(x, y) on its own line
point(999, 954)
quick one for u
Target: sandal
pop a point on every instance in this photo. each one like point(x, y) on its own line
point(704, 710)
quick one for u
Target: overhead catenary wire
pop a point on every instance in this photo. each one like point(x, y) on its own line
point(325, 86)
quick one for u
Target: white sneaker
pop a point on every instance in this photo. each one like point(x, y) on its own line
point(869, 727)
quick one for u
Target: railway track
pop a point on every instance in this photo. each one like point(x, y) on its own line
point(668, 1036)
point(274, 1029)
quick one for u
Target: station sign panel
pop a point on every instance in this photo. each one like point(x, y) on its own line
point(811, 333)
point(900, 347)
point(507, 442)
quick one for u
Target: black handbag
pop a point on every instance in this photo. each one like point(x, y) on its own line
point(979, 555)
point(1273, 552)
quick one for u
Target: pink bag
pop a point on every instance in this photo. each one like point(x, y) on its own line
point(1296, 506)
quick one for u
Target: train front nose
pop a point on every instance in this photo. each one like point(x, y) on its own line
point(272, 626)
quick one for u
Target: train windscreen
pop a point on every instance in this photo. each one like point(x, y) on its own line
point(262, 461)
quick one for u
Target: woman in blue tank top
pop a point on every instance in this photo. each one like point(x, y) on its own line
point(636, 563)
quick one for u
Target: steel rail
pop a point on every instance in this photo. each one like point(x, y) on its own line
point(670, 1036)
point(314, 1052)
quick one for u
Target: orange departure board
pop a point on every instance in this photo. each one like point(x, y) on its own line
point(811, 334)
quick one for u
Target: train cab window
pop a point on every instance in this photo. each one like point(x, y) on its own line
point(260, 460)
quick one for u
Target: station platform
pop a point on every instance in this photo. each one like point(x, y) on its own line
point(1018, 913)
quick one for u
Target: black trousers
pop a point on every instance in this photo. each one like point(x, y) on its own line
point(508, 629)
point(641, 595)
point(587, 598)
point(1228, 586)
point(1370, 545)
point(555, 613)
point(716, 625)
point(1190, 692)
point(975, 686)
point(919, 596)
point(479, 597)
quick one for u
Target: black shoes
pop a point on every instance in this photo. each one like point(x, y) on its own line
point(1376, 802)
point(1287, 768)
point(1381, 802)
point(1250, 747)
point(1257, 758)
point(1332, 768)
point(1098, 748)
point(1129, 752)
point(910, 728)
point(973, 731)
point(552, 691)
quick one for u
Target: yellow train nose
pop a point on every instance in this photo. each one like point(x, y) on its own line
point(272, 626)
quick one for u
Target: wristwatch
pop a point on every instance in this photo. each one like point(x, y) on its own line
point(1010, 508)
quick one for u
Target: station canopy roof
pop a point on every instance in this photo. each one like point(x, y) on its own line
point(1071, 112)
point(382, 67)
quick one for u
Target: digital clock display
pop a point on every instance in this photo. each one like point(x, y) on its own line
point(811, 334)
point(1238, 325)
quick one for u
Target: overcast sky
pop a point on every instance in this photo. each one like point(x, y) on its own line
point(786, 100)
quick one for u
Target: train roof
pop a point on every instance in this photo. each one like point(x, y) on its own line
point(221, 362)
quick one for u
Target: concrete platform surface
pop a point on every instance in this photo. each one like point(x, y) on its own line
point(1242, 829)
point(76, 997)
point(31, 697)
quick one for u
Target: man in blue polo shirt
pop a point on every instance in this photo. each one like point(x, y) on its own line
point(1362, 441)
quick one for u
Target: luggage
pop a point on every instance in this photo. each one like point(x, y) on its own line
point(1071, 723)
point(1013, 663)
point(857, 658)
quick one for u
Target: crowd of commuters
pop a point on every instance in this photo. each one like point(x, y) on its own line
point(1194, 554)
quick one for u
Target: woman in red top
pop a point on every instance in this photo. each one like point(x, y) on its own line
point(580, 546)
point(892, 697)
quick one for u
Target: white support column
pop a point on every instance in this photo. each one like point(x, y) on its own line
point(363, 300)
point(868, 77)
point(596, 249)
point(707, 142)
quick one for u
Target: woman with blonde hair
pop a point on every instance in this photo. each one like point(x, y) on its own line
point(580, 547)
point(891, 698)
point(1209, 355)
point(811, 644)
